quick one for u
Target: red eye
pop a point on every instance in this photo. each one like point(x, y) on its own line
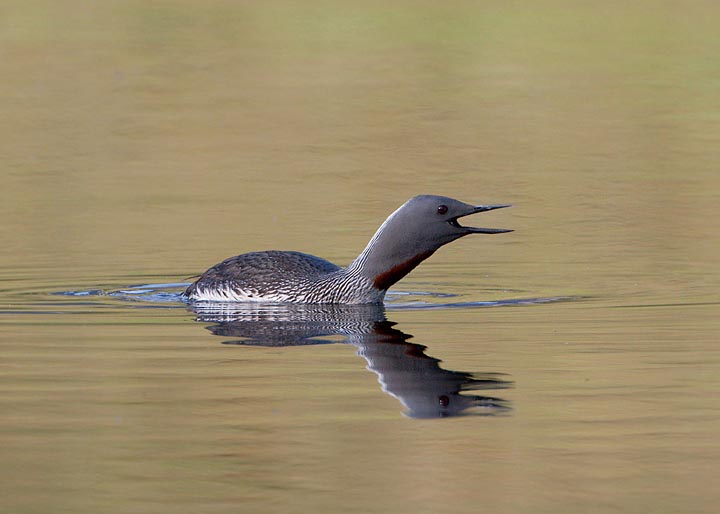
point(442, 209)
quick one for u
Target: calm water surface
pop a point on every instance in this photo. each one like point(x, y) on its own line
point(569, 366)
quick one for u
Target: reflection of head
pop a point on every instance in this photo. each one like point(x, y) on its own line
point(422, 386)
point(404, 371)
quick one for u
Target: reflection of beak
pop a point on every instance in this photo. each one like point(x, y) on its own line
point(482, 208)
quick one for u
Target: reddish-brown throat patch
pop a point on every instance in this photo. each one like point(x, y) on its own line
point(387, 278)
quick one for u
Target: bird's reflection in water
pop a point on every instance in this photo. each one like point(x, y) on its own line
point(404, 370)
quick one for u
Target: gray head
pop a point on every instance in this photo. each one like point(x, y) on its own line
point(414, 232)
point(433, 220)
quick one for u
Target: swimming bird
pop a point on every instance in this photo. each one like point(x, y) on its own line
point(408, 236)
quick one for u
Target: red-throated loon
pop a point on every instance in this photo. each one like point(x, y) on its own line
point(410, 235)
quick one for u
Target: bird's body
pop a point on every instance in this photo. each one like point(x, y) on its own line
point(275, 276)
point(410, 235)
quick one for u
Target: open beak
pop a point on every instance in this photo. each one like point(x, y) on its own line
point(481, 208)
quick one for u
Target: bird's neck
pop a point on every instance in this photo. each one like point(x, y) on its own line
point(388, 257)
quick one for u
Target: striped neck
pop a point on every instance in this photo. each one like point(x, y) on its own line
point(390, 255)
